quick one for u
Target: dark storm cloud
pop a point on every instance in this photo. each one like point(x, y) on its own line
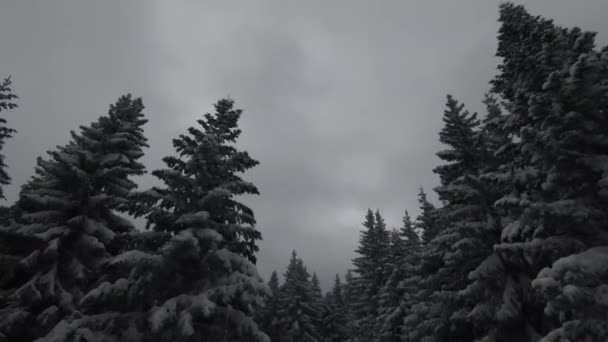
point(342, 100)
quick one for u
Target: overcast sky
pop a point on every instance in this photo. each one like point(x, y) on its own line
point(343, 99)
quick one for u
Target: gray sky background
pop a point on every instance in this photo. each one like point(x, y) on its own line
point(343, 99)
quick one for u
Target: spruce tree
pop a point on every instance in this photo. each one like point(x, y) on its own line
point(334, 316)
point(215, 288)
point(405, 254)
point(69, 207)
point(573, 216)
point(418, 287)
point(318, 303)
point(12, 246)
point(268, 317)
point(369, 266)
point(7, 102)
point(428, 221)
point(466, 237)
point(483, 294)
point(298, 304)
point(552, 81)
point(349, 295)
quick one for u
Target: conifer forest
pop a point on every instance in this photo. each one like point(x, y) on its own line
point(515, 249)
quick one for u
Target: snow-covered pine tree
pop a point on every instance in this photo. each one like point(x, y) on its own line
point(202, 283)
point(11, 249)
point(348, 295)
point(268, 317)
point(334, 316)
point(318, 303)
point(69, 207)
point(369, 266)
point(470, 229)
point(406, 252)
point(298, 304)
point(554, 84)
point(483, 294)
point(7, 102)
point(576, 190)
point(388, 291)
point(316, 287)
point(428, 222)
point(452, 248)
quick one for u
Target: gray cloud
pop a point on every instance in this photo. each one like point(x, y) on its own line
point(342, 100)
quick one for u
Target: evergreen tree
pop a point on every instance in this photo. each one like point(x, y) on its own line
point(318, 304)
point(334, 315)
point(405, 254)
point(348, 296)
point(6, 103)
point(268, 317)
point(298, 304)
point(336, 292)
point(465, 238)
point(427, 221)
point(409, 237)
point(12, 246)
point(69, 209)
point(573, 219)
point(484, 291)
point(552, 81)
point(369, 266)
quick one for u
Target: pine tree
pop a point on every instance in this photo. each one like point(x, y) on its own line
point(318, 303)
point(553, 83)
point(483, 294)
point(369, 266)
point(334, 316)
point(268, 317)
point(428, 220)
point(349, 295)
point(418, 287)
point(12, 246)
point(69, 209)
point(337, 292)
point(468, 233)
point(298, 304)
point(405, 254)
point(573, 215)
point(6, 103)
point(409, 237)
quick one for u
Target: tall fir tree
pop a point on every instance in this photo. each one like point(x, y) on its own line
point(553, 83)
point(349, 295)
point(482, 295)
point(318, 302)
point(428, 221)
point(369, 266)
point(418, 286)
point(405, 255)
point(268, 317)
point(334, 320)
point(69, 208)
point(298, 304)
point(468, 233)
point(7, 102)
point(11, 250)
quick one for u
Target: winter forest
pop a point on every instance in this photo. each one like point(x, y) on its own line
point(516, 250)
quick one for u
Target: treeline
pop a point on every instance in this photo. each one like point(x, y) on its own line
point(518, 248)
